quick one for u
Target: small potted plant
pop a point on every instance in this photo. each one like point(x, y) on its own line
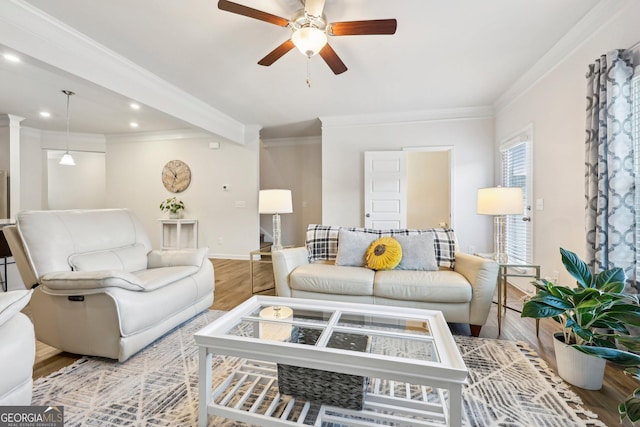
point(594, 314)
point(173, 206)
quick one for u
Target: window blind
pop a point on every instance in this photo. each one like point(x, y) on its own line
point(516, 167)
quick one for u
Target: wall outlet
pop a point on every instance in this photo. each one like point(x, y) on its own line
point(472, 249)
point(220, 241)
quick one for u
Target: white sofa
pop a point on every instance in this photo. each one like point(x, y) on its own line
point(101, 290)
point(463, 289)
point(18, 349)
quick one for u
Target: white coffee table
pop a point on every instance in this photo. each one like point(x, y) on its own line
point(416, 371)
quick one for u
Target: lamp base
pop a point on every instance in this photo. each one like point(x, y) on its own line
point(499, 223)
point(277, 243)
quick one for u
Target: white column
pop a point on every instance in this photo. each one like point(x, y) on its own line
point(14, 164)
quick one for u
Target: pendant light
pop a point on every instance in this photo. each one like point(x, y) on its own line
point(67, 160)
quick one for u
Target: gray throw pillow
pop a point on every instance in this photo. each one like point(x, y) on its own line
point(352, 247)
point(418, 252)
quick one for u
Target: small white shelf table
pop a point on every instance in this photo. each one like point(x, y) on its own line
point(414, 367)
point(182, 227)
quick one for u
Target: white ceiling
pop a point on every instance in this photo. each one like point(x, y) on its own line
point(444, 55)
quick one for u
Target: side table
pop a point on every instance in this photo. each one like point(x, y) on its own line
point(5, 253)
point(167, 225)
point(503, 273)
point(259, 253)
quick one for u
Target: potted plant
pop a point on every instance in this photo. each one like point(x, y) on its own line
point(173, 206)
point(594, 314)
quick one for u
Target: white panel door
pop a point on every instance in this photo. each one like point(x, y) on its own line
point(385, 189)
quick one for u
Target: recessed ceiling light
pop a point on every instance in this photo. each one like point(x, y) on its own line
point(11, 58)
point(134, 106)
point(133, 124)
point(45, 114)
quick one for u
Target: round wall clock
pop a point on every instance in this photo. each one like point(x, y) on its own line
point(176, 176)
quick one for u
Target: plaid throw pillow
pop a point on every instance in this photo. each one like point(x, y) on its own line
point(322, 241)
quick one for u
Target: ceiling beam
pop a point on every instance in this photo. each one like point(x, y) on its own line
point(32, 32)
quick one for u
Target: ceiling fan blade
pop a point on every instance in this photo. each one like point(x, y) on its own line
point(314, 7)
point(276, 53)
point(356, 28)
point(333, 61)
point(252, 13)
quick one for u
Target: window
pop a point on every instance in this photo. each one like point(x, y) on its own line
point(516, 167)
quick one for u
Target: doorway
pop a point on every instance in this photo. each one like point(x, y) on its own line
point(408, 189)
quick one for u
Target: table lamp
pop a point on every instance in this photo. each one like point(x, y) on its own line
point(500, 202)
point(275, 202)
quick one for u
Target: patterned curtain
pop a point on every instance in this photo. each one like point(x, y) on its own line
point(609, 166)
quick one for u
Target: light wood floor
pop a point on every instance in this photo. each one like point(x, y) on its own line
point(233, 286)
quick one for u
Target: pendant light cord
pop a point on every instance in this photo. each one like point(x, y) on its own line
point(68, 93)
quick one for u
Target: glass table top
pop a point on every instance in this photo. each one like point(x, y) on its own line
point(382, 334)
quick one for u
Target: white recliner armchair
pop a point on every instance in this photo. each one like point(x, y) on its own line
point(17, 349)
point(99, 288)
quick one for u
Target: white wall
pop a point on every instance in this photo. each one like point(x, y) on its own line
point(343, 145)
point(81, 186)
point(555, 106)
point(228, 220)
point(293, 164)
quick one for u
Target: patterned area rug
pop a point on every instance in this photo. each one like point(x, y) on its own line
point(509, 385)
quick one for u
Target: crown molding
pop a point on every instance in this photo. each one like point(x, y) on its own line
point(10, 120)
point(445, 114)
point(293, 141)
point(29, 30)
point(171, 135)
point(603, 12)
point(54, 140)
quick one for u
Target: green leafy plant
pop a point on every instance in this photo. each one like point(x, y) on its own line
point(172, 205)
point(596, 312)
point(595, 317)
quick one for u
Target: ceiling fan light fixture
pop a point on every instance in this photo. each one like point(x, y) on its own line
point(309, 40)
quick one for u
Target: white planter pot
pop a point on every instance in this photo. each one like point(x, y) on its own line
point(577, 368)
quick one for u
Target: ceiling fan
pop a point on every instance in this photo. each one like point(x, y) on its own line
point(310, 30)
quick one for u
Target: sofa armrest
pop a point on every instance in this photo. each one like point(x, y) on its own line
point(284, 262)
point(86, 282)
point(482, 273)
point(176, 258)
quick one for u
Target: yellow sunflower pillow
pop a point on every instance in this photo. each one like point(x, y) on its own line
point(384, 253)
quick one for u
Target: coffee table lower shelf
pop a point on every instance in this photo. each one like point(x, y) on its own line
point(250, 394)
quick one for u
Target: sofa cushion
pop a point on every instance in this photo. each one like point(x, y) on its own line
point(428, 286)
point(322, 241)
point(418, 252)
point(128, 258)
point(12, 302)
point(352, 247)
point(332, 279)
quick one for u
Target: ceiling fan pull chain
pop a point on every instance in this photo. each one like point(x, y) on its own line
point(308, 72)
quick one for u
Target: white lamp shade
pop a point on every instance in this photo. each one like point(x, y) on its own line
point(500, 201)
point(309, 40)
point(274, 201)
